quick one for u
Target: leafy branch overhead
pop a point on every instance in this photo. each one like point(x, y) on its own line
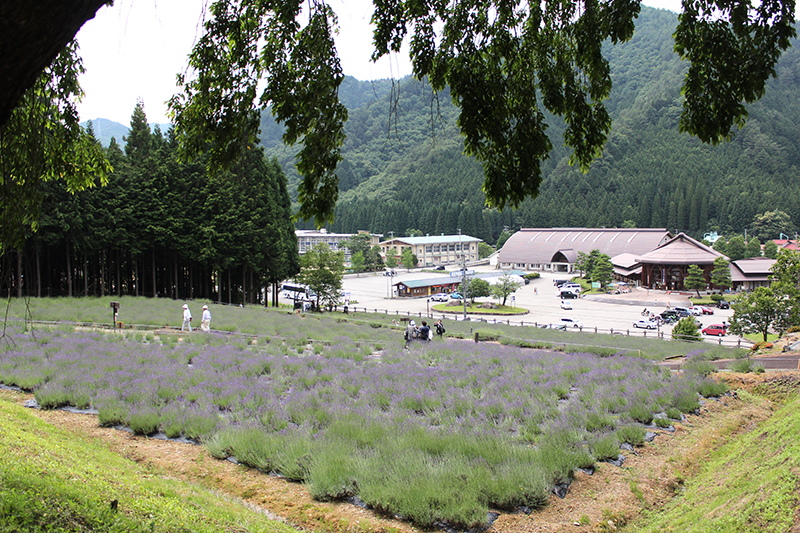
point(506, 64)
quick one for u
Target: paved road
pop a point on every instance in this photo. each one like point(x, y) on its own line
point(618, 312)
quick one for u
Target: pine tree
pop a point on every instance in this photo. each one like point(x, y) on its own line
point(694, 279)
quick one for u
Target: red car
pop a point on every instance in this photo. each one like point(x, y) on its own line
point(705, 310)
point(715, 329)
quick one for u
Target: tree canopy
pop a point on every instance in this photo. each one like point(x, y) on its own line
point(506, 65)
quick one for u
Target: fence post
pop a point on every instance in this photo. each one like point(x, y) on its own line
point(629, 332)
point(595, 329)
point(612, 331)
point(476, 336)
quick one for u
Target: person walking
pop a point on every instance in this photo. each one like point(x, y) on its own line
point(205, 323)
point(187, 318)
point(439, 328)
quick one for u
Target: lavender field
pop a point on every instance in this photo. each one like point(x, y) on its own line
point(438, 433)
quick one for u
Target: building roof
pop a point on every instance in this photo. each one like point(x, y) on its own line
point(752, 269)
point(681, 250)
point(432, 239)
point(541, 245)
point(447, 280)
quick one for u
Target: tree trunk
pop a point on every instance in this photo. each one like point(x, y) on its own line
point(69, 271)
point(155, 289)
point(38, 276)
point(119, 278)
point(102, 260)
point(175, 274)
point(19, 273)
point(136, 276)
point(244, 285)
point(85, 275)
point(230, 301)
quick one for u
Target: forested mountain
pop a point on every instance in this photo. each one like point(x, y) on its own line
point(404, 168)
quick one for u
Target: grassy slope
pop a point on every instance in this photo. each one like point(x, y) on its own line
point(51, 480)
point(749, 484)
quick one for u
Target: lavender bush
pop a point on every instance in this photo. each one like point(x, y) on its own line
point(442, 431)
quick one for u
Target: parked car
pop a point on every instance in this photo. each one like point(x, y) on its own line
point(715, 329)
point(568, 294)
point(455, 296)
point(566, 305)
point(705, 309)
point(560, 282)
point(440, 297)
point(574, 287)
point(723, 304)
point(440, 267)
point(572, 322)
point(696, 310)
point(645, 324)
point(390, 273)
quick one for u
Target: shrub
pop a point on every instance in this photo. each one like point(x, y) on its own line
point(742, 366)
point(641, 413)
point(709, 387)
point(606, 447)
point(144, 421)
point(700, 366)
point(674, 413)
point(686, 400)
point(793, 329)
point(663, 422)
point(717, 297)
point(686, 330)
point(633, 435)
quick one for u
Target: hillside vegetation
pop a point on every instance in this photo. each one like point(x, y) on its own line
point(404, 168)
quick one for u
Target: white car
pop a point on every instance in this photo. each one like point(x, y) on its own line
point(645, 324)
point(566, 305)
point(571, 322)
point(440, 297)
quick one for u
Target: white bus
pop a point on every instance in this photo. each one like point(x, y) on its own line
point(297, 291)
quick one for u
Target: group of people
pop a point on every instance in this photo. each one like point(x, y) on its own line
point(423, 333)
point(205, 321)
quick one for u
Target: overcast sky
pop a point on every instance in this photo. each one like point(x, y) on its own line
point(136, 48)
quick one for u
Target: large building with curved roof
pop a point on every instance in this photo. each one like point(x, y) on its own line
point(556, 249)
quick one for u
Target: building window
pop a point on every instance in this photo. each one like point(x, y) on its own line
point(428, 249)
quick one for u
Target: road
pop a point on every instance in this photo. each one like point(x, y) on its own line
point(540, 298)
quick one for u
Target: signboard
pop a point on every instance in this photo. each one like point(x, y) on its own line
point(595, 284)
point(459, 273)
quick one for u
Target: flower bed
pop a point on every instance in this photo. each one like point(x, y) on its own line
point(440, 432)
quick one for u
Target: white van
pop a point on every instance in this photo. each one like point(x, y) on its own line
point(573, 287)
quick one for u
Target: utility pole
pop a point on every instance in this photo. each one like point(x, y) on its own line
point(463, 274)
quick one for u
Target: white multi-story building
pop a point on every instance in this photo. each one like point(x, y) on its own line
point(306, 239)
point(434, 250)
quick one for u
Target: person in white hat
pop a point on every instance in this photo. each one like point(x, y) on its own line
point(410, 333)
point(205, 323)
point(187, 318)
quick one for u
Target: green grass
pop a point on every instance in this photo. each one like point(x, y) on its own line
point(758, 337)
point(476, 309)
point(51, 480)
point(749, 484)
point(326, 327)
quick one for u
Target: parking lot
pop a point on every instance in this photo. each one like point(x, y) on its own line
point(540, 298)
